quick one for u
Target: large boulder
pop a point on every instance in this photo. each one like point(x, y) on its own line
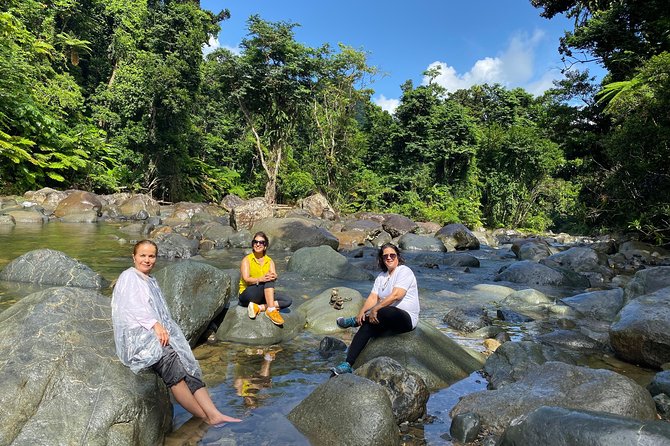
point(51, 267)
point(558, 426)
point(347, 410)
point(406, 390)
point(641, 331)
point(530, 273)
point(585, 261)
point(531, 249)
point(426, 351)
point(195, 292)
point(175, 246)
point(324, 261)
point(29, 215)
point(397, 225)
point(317, 205)
point(563, 385)
point(320, 315)
point(643, 251)
point(601, 305)
point(647, 281)
point(218, 234)
point(512, 360)
point(246, 215)
point(60, 380)
point(457, 236)
point(77, 203)
point(237, 327)
point(46, 197)
point(139, 207)
point(294, 233)
point(414, 242)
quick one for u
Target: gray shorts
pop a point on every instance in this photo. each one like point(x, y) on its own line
point(171, 371)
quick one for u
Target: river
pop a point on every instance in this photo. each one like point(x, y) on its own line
point(262, 384)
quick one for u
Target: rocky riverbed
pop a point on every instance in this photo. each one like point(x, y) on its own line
point(515, 328)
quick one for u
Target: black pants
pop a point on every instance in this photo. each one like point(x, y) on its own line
point(171, 371)
point(256, 294)
point(392, 321)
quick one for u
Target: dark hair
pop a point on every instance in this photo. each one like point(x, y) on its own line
point(144, 242)
point(380, 258)
point(265, 237)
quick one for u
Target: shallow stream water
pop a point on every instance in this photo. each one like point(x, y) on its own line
point(262, 384)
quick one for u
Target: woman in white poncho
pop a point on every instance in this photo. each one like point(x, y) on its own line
point(147, 337)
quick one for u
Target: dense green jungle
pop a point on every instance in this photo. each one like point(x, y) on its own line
point(116, 95)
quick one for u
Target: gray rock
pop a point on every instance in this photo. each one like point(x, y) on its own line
point(397, 225)
point(230, 202)
point(531, 249)
point(330, 345)
point(316, 205)
point(453, 259)
point(457, 236)
point(428, 352)
point(406, 390)
point(247, 214)
point(660, 383)
point(563, 385)
point(647, 281)
point(195, 292)
point(573, 341)
point(347, 410)
point(237, 327)
point(641, 331)
point(294, 233)
point(559, 426)
point(51, 267)
point(601, 305)
point(31, 215)
point(240, 239)
point(320, 316)
point(644, 251)
point(466, 320)
point(60, 380)
point(46, 197)
point(7, 220)
point(465, 427)
point(324, 261)
point(513, 359)
point(175, 246)
point(78, 202)
point(215, 232)
point(139, 205)
point(662, 402)
point(531, 273)
point(414, 242)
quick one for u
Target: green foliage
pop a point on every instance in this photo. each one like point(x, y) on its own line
point(297, 184)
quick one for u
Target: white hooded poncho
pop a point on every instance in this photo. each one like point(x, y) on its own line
point(137, 304)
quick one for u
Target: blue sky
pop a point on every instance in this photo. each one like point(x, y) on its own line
point(476, 41)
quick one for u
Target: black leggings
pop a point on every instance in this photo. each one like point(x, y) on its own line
point(256, 294)
point(392, 321)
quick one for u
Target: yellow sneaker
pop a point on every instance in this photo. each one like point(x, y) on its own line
point(275, 317)
point(253, 310)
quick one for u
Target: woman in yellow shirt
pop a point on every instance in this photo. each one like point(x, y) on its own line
point(257, 282)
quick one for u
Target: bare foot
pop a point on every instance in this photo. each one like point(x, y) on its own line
point(220, 420)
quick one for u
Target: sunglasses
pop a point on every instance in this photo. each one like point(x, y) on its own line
point(389, 256)
point(259, 242)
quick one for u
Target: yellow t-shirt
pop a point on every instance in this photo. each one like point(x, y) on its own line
point(256, 269)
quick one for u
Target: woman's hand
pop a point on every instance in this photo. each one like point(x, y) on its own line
point(360, 317)
point(162, 334)
point(372, 316)
point(269, 277)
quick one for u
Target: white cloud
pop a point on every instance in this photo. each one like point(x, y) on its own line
point(387, 104)
point(210, 46)
point(214, 44)
point(514, 67)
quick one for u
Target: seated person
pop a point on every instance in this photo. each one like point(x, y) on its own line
point(257, 282)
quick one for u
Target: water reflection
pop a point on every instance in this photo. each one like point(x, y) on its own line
point(250, 385)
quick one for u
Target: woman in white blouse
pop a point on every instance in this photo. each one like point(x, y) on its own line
point(391, 308)
point(147, 337)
